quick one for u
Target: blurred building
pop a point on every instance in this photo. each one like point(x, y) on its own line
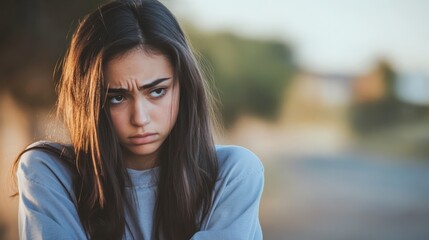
point(371, 87)
point(312, 119)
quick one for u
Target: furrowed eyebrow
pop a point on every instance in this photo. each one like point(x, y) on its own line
point(154, 83)
point(116, 90)
point(146, 86)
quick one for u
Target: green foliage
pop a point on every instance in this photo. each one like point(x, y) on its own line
point(250, 76)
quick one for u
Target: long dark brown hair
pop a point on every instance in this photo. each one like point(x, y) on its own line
point(187, 160)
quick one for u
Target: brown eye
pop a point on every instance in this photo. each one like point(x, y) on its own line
point(157, 93)
point(116, 99)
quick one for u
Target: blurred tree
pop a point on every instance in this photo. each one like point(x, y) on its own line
point(250, 76)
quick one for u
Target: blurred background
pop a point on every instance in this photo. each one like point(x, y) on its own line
point(332, 95)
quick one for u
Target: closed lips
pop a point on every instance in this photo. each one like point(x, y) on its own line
point(139, 139)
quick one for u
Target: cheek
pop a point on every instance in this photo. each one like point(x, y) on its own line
point(166, 113)
point(118, 120)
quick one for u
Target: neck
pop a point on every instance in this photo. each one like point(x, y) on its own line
point(138, 162)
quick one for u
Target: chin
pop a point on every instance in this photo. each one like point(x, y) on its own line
point(145, 149)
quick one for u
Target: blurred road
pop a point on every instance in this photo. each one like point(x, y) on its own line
point(346, 197)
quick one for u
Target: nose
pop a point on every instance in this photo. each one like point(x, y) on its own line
point(140, 116)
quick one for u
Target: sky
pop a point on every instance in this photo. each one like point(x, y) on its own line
point(327, 36)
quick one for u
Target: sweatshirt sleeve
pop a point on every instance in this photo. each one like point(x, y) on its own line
point(235, 210)
point(47, 207)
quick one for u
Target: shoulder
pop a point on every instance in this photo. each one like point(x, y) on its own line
point(237, 162)
point(42, 165)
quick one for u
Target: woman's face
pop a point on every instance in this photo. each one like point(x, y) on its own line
point(143, 97)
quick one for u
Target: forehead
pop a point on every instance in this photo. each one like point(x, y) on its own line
point(136, 65)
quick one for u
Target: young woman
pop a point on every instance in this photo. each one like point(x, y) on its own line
point(142, 163)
